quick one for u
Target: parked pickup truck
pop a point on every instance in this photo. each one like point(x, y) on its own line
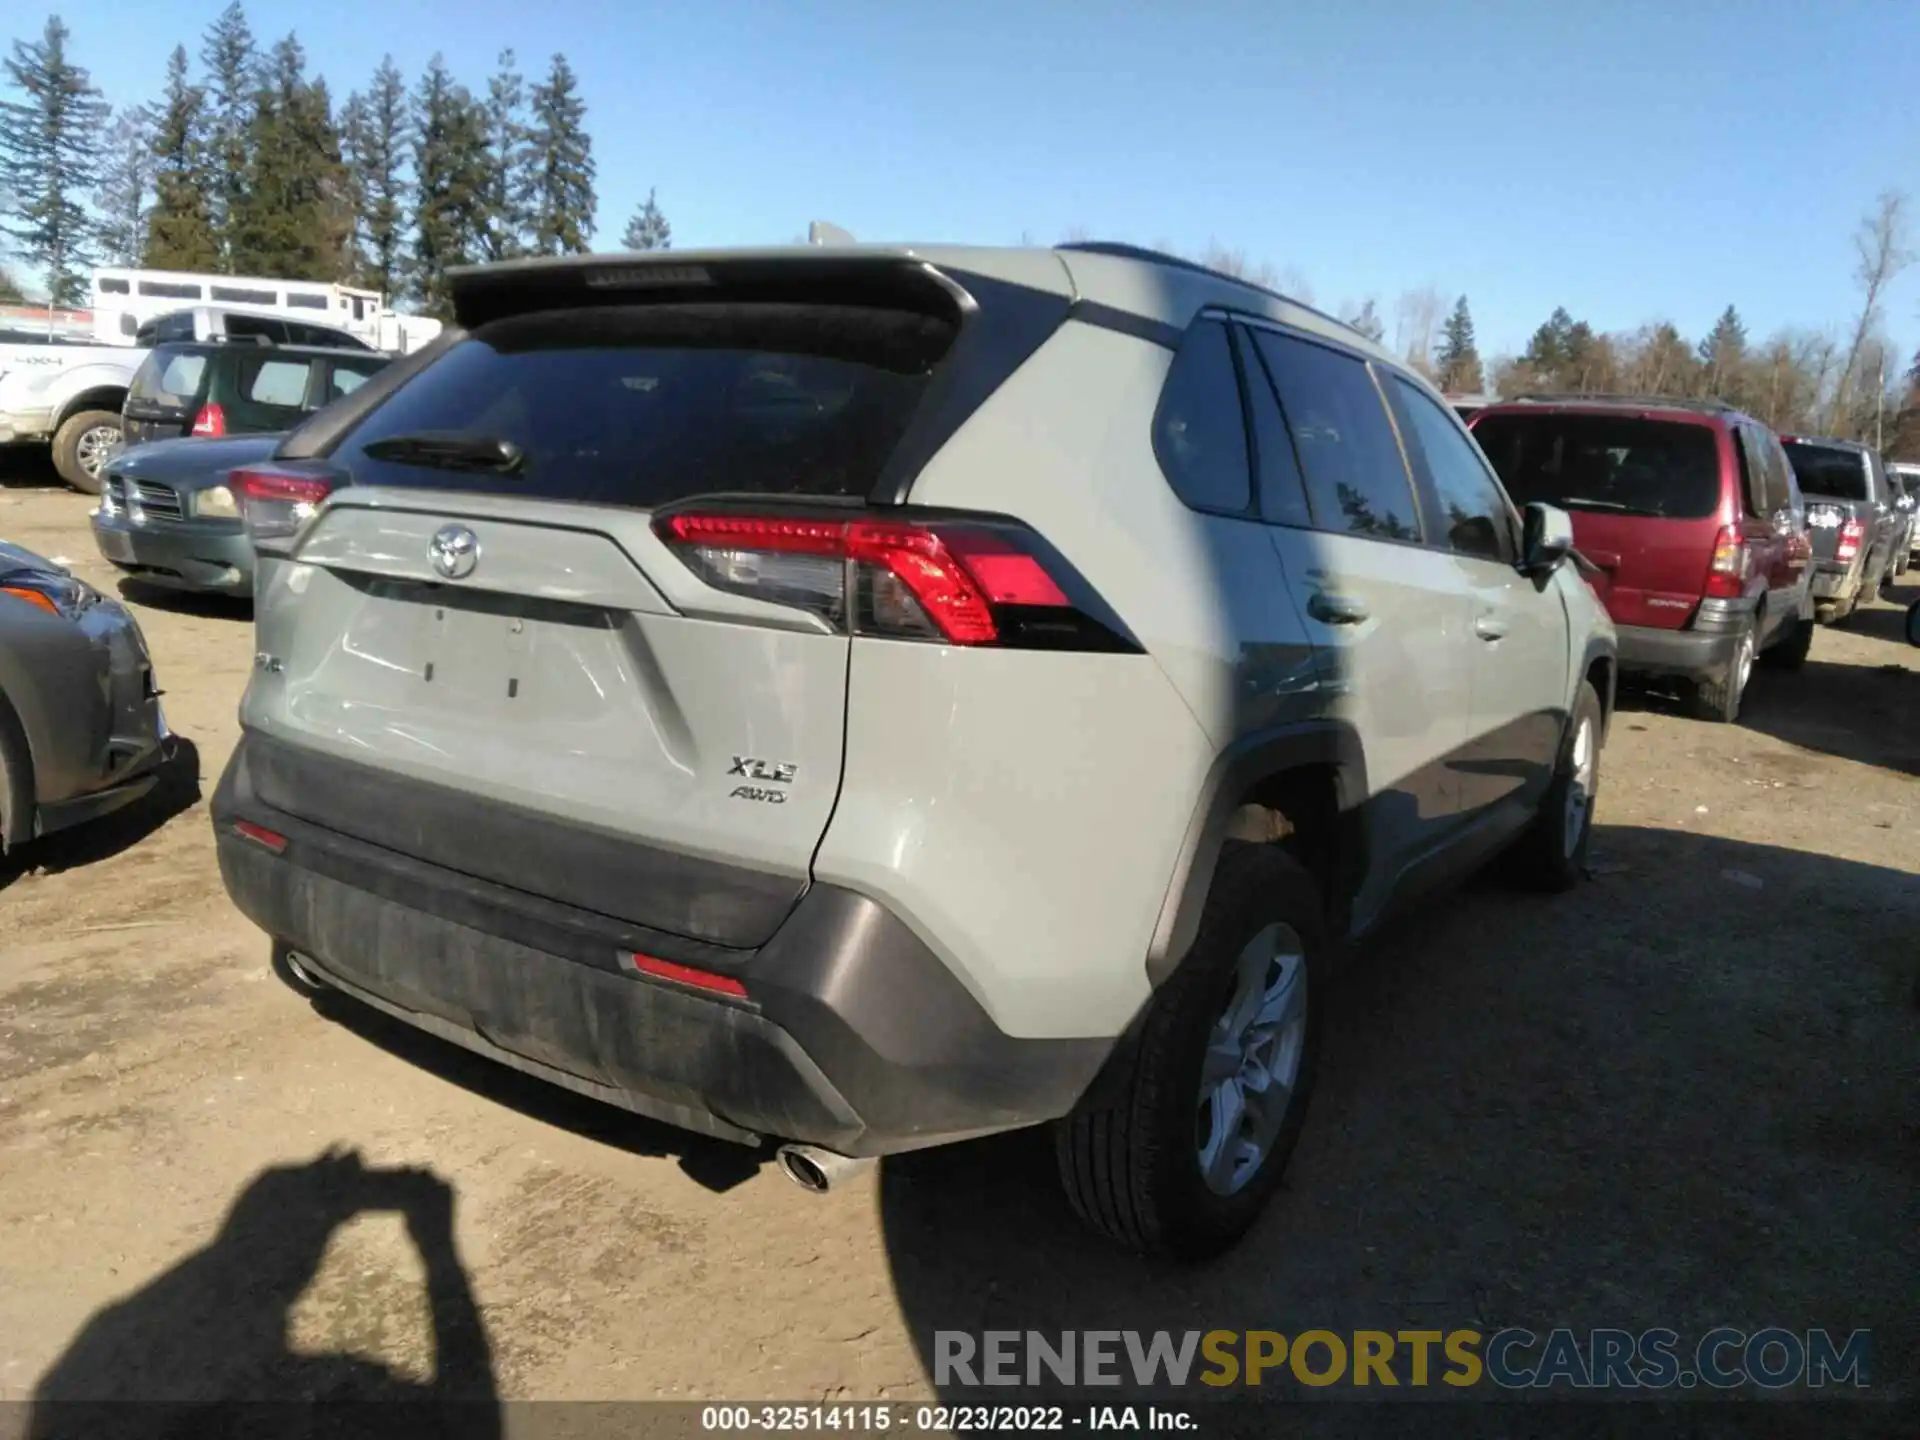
point(69, 396)
point(1851, 519)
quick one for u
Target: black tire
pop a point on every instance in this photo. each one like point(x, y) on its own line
point(1913, 623)
point(67, 445)
point(1541, 858)
point(1790, 651)
point(1718, 699)
point(1130, 1154)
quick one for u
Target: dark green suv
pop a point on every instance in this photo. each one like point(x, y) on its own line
point(234, 388)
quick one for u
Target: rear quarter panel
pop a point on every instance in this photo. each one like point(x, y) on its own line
point(1025, 811)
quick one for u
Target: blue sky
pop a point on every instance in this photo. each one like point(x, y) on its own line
point(1631, 160)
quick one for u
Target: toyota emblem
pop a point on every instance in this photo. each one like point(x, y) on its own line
point(454, 550)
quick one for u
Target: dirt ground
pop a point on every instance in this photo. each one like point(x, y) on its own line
point(1683, 1096)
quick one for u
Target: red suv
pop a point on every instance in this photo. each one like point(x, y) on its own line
point(1691, 518)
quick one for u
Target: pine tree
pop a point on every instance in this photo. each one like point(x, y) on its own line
point(50, 142)
point(563, 197)
point(1723, 353)
point(180, 233)
point(125, 195)
point(231, 60)
point(1546, 352)
point(377, 132)
point(1458, 360)
point(450, 184)
point(509, 156)
point(648, 229)
point(293, 218)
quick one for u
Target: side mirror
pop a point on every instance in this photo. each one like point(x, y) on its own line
point(1546, 533)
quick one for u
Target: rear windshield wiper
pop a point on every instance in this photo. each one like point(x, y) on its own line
point(1583, 502)
point(449, 450)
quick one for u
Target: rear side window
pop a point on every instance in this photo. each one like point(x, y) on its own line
point(178, 326)
point(276, 382)
point(1761, 486)
point(1472, 513)
point(1829, 471)
point(1621, 464)
point(645, 405)
point(1356, 478)
point(345, 377)
point(169, 377)
point(256, 327)
point(1199, 432)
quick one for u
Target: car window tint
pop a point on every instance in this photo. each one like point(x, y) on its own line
point(1356, 478)
point(1199, 432)
point(255, 327)
point(346, 379)
point(1619, 463)
point(1282, 489)
point(1473, 517)
point(278, 382)
point(169, 378)
point(643, 405)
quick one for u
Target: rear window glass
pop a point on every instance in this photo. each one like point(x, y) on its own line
point(645, 405)
point(278, 382)
point(1829, 471)
point(1611, 463)
point(169, 377)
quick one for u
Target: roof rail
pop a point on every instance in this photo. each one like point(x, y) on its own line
point(1121, 250)
point(1650, 402)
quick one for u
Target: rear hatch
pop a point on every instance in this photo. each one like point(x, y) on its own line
point(1834, 482)
point(489, 659)
point(1644, 492)
point(166, 394)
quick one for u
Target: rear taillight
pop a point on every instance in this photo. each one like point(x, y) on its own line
point(211, 421)
point(1732, 561)
point(276, 503)
point(957, 582)
point(1852, 532)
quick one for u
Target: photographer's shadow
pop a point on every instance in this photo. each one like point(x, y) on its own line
point(197, 1345)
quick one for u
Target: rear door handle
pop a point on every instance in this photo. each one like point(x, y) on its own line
point(1336, 609)
point(1490, 627)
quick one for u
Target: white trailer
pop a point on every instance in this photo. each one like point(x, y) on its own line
point(124, 300)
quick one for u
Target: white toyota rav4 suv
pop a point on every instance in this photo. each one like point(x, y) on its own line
point(852, 699)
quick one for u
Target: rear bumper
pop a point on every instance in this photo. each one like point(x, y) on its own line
point(1700, 652)
point(180, 556)
point(852, 1035)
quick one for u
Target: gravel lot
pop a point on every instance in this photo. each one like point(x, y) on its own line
point(1683, 1096)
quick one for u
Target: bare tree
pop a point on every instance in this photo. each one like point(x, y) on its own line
point(1881, 244)
point(1415, 319)
point(1235, 263)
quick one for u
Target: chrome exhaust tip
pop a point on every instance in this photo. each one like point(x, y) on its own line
point(817, 1171)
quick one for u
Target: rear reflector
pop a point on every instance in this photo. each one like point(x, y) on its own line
point(276, 503)
point(271, 839)
point(957, 582)
point(684, 974)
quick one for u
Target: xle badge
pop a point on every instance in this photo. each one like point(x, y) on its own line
point(765, 771)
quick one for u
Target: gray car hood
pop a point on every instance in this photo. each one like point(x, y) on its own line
point(191, 462)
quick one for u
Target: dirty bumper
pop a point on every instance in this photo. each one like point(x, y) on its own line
point(851, 1033)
